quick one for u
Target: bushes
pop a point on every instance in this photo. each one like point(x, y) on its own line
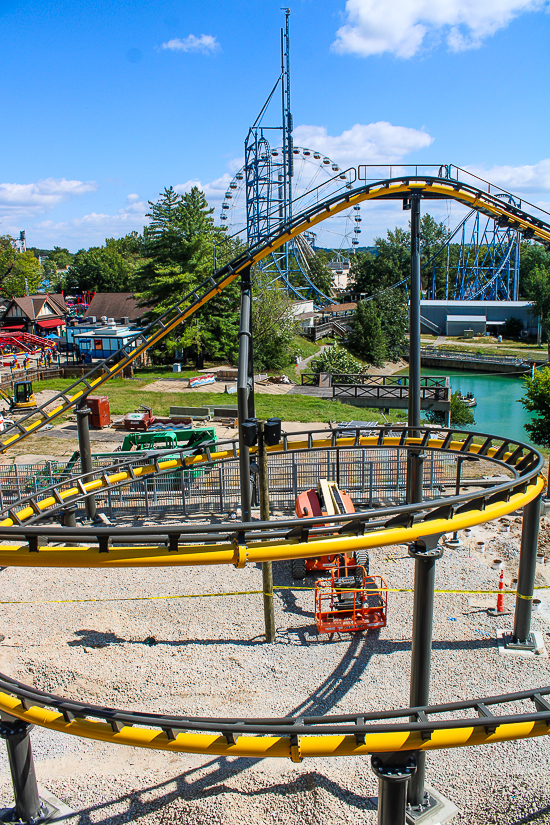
point(337, 359)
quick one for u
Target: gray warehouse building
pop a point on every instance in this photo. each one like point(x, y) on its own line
point(453, 317)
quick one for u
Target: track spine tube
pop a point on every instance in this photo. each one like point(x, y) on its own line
point(527, 570)
point(245, 335)
point(82, 422)
point(23, 776)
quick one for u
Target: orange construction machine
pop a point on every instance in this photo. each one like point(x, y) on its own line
point(327, 500)
point(350, 599)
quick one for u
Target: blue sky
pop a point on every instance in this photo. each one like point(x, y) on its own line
point(105, 104)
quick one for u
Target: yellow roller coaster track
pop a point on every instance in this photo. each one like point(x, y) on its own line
point(254, 542)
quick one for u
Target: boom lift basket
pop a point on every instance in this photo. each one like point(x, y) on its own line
point(349, 603)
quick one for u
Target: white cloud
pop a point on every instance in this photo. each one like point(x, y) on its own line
point(91, 229)
point(364, 143)
point(535, 178)
point(214, 190)
point(205, 44)
point(27, 199)
point(132, 197)
point(404, 26)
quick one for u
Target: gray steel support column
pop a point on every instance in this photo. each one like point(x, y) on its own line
point(393, 772)
point(68, 515)
point(23, 777)
point(267, 567)
point(243, 389)
point(425, 553)
point(527, 570)
point(414, 316)
point(82, 414)
point(414, 463)
point(251, 404)
point(415, 476)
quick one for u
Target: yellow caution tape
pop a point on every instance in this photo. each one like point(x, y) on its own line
point(258, 592)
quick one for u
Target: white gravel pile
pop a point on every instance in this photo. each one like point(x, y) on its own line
point(206, 656)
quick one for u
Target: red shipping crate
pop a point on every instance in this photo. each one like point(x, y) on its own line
point(101, 413)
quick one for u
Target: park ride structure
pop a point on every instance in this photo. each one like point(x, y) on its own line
point(402, 745)
point(277, 180)
point(487, 261)
point(485, 264)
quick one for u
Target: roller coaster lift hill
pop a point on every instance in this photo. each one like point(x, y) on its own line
point(397, 739)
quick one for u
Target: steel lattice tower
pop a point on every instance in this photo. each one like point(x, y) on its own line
point(268, 178)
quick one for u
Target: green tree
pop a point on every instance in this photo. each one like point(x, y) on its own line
point(369, 273)
point(433, 237)
point(389, 265)
point(391, 262)
point(273, 324)
point(392, 310)
point(537, 400)
point(62, 257)
point(537, 288)
point(320, 274)
point(461, 415)
point(100, 269)
point(178, 245)
point(366, 337)
point(20, 272)
point(178, 255)
point(533, 255)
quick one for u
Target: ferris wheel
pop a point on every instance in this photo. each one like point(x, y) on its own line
point(315, 178)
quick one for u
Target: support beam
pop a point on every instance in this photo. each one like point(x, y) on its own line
point(267, 567)
point(82, 415)
point(393, 771)
point(414, 460)
point(243, 392)
point(415, 476)
point(526, 571)
point(414, 316)
point(425, 552)
point(23, 776)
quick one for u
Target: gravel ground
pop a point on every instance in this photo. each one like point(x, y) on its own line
point(206, 656)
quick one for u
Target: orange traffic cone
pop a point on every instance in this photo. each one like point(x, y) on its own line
point(500, 597)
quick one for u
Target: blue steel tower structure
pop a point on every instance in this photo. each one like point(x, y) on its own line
point(268, 180)
point(485, 266)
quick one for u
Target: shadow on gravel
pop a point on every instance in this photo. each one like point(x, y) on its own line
point(344, 676)
point(305, 635)
point(95, 638)
point(282, 577)
point(214, 785)
point(536, 816)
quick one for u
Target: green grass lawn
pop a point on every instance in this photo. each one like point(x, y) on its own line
point(127, 395)
point(476, 347)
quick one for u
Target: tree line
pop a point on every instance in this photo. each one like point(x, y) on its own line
point(178, 248)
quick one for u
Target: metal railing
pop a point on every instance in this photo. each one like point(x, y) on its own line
point(389, 392)
point(7, 379)
point(372, 478)
point(428, 352)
